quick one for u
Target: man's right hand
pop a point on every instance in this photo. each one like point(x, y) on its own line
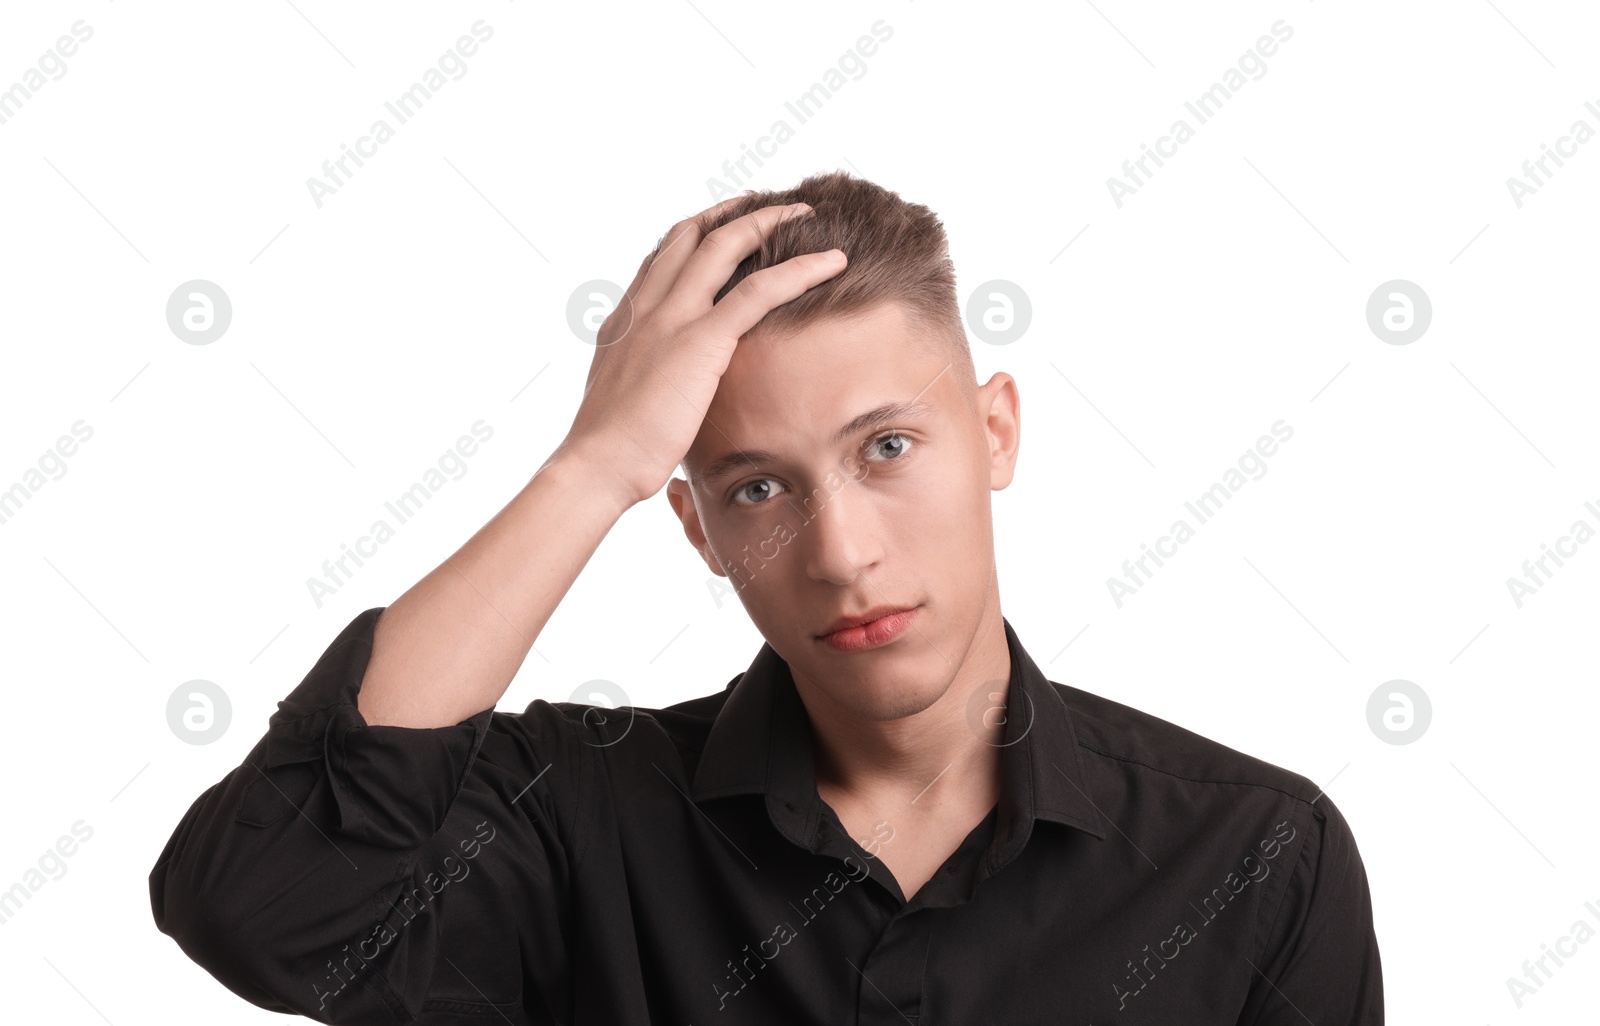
point(661, 353)
point(448, 647)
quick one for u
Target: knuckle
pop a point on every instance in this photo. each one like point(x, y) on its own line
point(753, 286)
point(620, 312)
point(740, 232)
point(719, 238)
point(617, 325)
point(685, 228)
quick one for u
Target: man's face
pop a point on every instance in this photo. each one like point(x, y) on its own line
point(894, 514)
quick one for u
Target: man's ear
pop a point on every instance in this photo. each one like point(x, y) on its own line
point(681, 496)
point(1000, 416)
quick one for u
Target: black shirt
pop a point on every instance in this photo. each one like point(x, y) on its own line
point(577, 864)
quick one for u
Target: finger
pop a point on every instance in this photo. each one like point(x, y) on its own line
point(717, 208)
point(662, 268)
point(638, 279)
point(762, 292)
point(638, 275)
point(664, 265)
point(622, 315)
point(717, 256)
point(680, 241)
point(647, 270)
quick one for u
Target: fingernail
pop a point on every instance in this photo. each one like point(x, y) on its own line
point(800, 208)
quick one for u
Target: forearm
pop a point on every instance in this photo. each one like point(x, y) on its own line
point(450, 645)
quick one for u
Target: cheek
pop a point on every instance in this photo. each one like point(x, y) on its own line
point(959, 526)
point(726, 533)
point(961, 484)
point(750, 550)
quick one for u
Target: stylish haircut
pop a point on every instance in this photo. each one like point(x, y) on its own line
point(895, 250)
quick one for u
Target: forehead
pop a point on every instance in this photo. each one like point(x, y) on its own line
point(878, 342)
point(793, 391)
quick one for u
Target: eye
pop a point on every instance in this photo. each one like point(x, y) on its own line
point(743, 492)
point(894, 443)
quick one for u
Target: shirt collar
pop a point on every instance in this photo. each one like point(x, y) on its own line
point(761, 743)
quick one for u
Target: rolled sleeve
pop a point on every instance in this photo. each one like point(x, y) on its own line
point(348, 872)
point(393, 785)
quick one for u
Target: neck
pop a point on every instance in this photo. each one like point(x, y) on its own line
point(939, 758)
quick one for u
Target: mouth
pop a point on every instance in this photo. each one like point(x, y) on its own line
point(872, 629)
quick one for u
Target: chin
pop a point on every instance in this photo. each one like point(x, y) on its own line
point(883, 701)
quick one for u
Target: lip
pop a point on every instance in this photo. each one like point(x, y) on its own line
point(871, 629)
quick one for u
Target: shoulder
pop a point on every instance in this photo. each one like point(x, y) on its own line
point(1134, 745)
point(1182, 795)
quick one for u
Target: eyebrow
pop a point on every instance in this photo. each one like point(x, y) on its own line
point(873, 418)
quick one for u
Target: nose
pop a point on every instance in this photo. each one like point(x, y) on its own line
point(842, 537)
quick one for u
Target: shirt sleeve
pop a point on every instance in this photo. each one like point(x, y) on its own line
point(374, 874)
point(1318, 959)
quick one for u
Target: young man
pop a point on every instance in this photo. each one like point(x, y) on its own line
point(890, 816)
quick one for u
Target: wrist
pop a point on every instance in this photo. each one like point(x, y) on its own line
point(582, 462)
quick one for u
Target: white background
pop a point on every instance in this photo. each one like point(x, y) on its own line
point(429, 292)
